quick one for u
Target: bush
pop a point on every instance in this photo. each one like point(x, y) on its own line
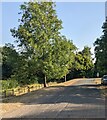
point(33, 81)
point(8, 84)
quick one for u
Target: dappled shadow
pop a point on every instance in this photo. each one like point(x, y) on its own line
point(82, 101)
point(81, 94)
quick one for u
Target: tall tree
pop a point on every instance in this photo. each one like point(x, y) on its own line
point(62, 57)
point(101, 51)
point(83, 65)
point(38, 35)
point(88, 61)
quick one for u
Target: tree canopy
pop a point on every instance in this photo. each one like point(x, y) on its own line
point(50, 53)
point(83, 64)
point(44, 53)
point(9, 60)
point(101, 51)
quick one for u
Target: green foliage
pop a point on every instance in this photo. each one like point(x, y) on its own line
point(83, 65)
point(62, 57)
point(45, 51)
point(9, 60)
point(101, 52)
point(25, 72)
point(8, 84)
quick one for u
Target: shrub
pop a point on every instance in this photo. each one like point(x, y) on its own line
point(8, 84)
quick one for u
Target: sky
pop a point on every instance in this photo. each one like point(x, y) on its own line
point(82, 21)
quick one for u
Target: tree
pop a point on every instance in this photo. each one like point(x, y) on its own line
point(88, 61)
point(43, 46)
point(83, 64)
point(62, 57)
point(101, 51)
point(9, 60)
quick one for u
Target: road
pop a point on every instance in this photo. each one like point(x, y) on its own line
point(83, 99)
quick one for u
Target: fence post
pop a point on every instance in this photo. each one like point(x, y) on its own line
point(28, 89)
point(19, 90)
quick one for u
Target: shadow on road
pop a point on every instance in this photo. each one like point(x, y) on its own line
point(82, 99)
point(81, 94)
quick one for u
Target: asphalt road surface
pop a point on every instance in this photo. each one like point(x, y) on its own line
point(80, 100)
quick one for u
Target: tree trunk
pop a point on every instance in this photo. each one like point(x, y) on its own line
point(45, 82)
point(65, 78)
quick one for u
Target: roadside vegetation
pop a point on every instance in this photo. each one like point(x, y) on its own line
point(9, 84)
point(101, 51)
point(43, 54)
